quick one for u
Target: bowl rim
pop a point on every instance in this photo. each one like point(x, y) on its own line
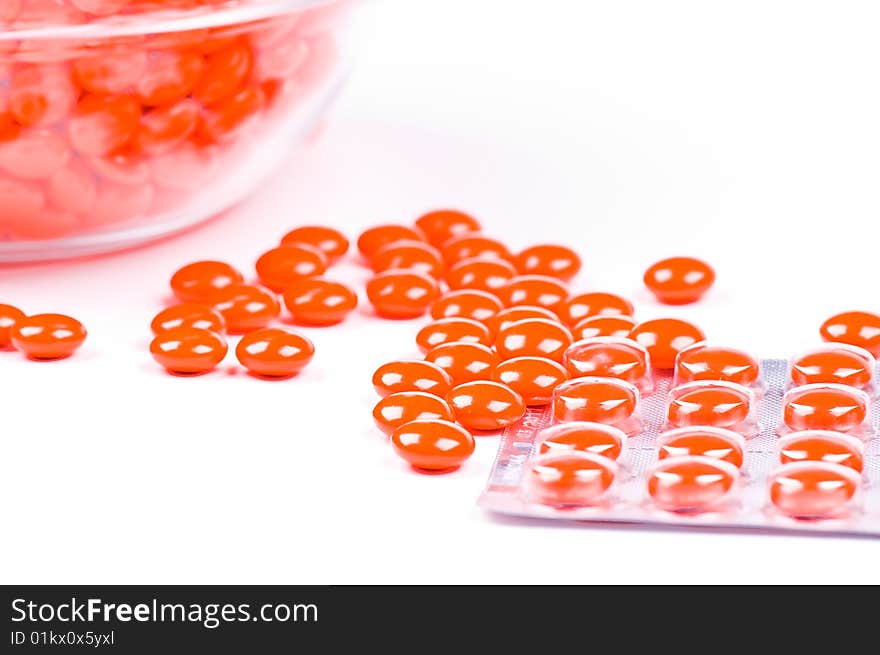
point(162, 21)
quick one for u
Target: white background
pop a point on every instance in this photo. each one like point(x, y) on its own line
point(746, 133)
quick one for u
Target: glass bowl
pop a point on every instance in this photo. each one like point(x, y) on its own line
point(123, 121)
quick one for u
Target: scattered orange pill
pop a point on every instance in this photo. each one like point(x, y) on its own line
point(664, 338)
point(481, 274)
point(411, 375)
point(706, 362)
point(188, 350)
point(822, 446)
point(467, 303)
point(246, 307)
point(610, 357)
point(510, 315)
point(690, 484)
point(224, 72)
point(48, 336)
point(319, 301)
point(401, 407)
point(715, 404)
point(163, 128)
point(679, 280)
point(586, 305)
point(9, 316)
point(328, 240)
point(402, 294)
point(547, 259)
point(596, 438)
point(540, 290)
point(825, 407)
point(598, 400)
point(570, 478)
point(282, 266)
point(717, 443)
point(485, 405)
point(101, 125)
point(535, 337)
point(470, 246)
point(860, 329)
point(188, 315)
point(840, 364)
point(603, 326)
point(274, 352)
point(464, 361)
point(372, 239)
point(447, 330)
point(409, 255)
point(533, 378)
point(443, 224)
point(809, 490)
point(433, 444)
point(168, 76)
point(200, 281)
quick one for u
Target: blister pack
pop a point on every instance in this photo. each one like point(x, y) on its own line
point(721, 440)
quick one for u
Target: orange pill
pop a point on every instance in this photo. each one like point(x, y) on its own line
point(114, 71)
point(401, 407)
point(810, 490)
point(535, 337)
point(274, 352)
point(464, 362)
point(224, 120)
point(372, 239)
point(443, 224)
point(485, 405)
point(822, 446)
point(48, 336)
point(842, 364)
point(467, 303)
point(188, 315)
point(409, 255)
point(569, 479)
point(333, 243)
point(679, 280)
point(469, 246)
point(246, 307)
point(188, 350)
point(533, 378)
point(825, 407)
point(510, 315)
point(596, 438)
point(9, 316)
point(402, 294)
point(282, 266)
point(664, 338)
point(168, 76)
point(446, 330)
point(103, 124)
point(690, 484)
point(598, 400)
point(433, 445)
point(860, 329)
point(224, 72)
point(319, 301)
point(200, 281)
point(481, 274)
point(603, 326)
point(715, 404)
point(717, 443)
point(586, 305)
point(610, 357)
point(41, 94)
point(163, 128)
point(706, 362)
point(412, 375)
point(549, 259)
point(540, 290)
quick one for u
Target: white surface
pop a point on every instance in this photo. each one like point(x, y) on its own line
point(745, 133)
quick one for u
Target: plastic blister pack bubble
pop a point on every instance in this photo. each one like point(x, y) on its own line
point(775, 478)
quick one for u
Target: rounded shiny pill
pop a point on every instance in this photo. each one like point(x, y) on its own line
point(586, 305)
point(48, 336)
point(401, 294)
point(679, 280)
point(569, 479)
point(333, 243)
point(433, 444)
point(9, 316)
point(464, 361)
point(811, 490)
point(441, 225)
point(245, 307)
point(485, 405)
point(664, 338)
point(188, 315)
point(596, 438)
point(411, 375)
point(319, 301)
point(401, 407)
point(860, 329)
point(535, 337)
point(374, 238)
point(447, 330)
point(188, 350)
point(468, 303)
point(510, 315)
point(540, 290)
point(200, 281)
point(690, 484)
point(280, 267)
point(549, 259)
point(825, 407)
point(481, 274)
point(533, 378)
point(598, 400)
point(717, 443)
point(822, 446)
point(469, 246)
point(408, 255)
point(839, 364)
point(603, 326)
point(274, 352)
point(707, 362)
point(714, 404)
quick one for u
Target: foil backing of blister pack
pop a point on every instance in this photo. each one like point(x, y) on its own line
point(748, 506)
